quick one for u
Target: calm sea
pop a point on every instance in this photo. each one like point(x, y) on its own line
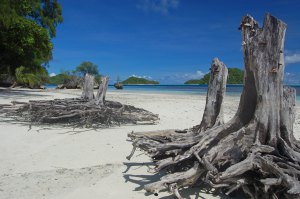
point(232, 90)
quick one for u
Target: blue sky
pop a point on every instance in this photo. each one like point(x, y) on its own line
point(166, 40)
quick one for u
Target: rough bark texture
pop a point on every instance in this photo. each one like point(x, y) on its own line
point(100, 97)
point(255, 151)
point(88, 87)
point(213, 112)
point(212, 116)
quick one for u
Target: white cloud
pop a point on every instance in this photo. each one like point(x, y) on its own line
point(199, 74)
point(293, 58)
point(142, 76)
point(180, 78)
point(160, 6)
point(52, 74)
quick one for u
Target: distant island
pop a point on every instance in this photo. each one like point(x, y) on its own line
point(235, 76)
point(138, 80)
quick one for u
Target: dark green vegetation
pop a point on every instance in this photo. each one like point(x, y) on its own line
point(137, 80)
point(26, 29)
point(90, 68)
point(33, 78)
point(79, 72)
point(87, 67)
point(59, 79)
point(235, 76)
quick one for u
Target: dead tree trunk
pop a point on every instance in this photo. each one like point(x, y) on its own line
point(88, 87)
point(213, 112)
point(100, 97)
point(255, 151)
point(212, 116)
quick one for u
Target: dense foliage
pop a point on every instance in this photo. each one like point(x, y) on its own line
point(26, 28)
point(235, 76)
point(59, 79)
point(23, 43)
point(74, 75)
point(137, 80)
point(87, 67)
point(31, 78)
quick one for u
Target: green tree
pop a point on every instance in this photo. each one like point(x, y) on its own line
point(31, 78)
point(45, 13)
point(26, 28)
point(87, 67)
point(23, 43)
point(60, 78)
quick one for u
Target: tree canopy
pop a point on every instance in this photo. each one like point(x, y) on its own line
point(45, 13)
point(32, 79)
point(87, 67)
point(235, 76)
point(26, 29)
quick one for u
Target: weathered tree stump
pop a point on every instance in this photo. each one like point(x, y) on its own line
point(213, 112)
point(100, 97)
point(88, 87)
point(255, 151)
point(212, 116)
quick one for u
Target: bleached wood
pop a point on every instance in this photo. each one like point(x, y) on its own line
point(88, 87)
point(255, 151)
point(100, 97)
point(213, 112)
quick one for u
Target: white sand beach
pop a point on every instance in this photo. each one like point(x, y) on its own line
point(54, 162)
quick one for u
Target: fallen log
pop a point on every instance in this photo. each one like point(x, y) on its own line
point(255, 151)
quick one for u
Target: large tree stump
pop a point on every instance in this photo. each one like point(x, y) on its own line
point(255, 151)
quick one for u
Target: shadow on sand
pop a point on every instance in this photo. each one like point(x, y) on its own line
point(7, 93)
point(199, 191)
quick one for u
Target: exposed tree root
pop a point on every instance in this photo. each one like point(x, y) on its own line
point(78, 112)
point(256, 151)
point(87, 111)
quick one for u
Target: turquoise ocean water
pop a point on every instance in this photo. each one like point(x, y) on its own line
point(231, 90)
